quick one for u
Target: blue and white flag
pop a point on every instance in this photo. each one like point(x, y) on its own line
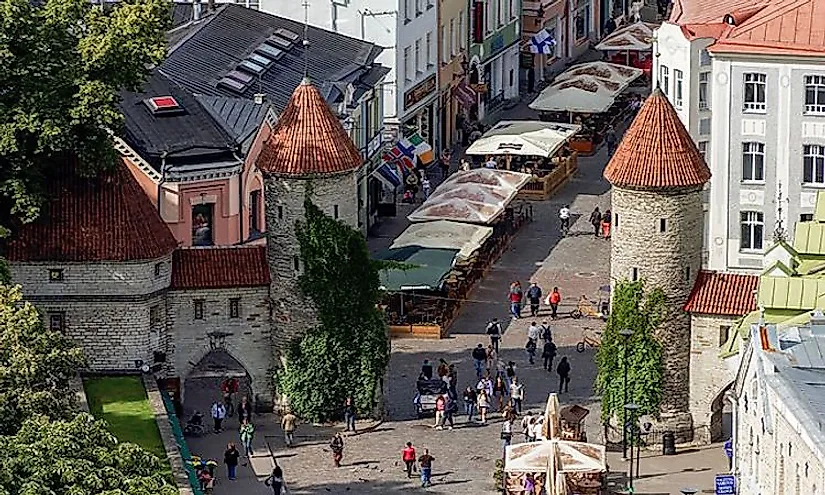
point(389, 174)
point(542, 42)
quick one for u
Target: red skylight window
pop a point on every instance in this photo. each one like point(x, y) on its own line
point(163, 104)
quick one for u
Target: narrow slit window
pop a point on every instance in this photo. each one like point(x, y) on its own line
point(662, 225)
point(634, 276)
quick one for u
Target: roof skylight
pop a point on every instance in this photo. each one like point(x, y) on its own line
point(163, 105)
point(232, 84)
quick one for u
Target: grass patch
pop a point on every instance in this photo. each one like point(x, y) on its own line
point(121, 401)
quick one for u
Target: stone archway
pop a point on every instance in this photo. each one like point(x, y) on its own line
point(721, 417)
point(202, 385)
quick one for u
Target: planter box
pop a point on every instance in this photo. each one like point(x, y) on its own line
point(583, 147)
point(541, 188)
point(417, 331)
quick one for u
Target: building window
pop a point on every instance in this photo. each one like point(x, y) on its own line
point(616, 220)
point(806, 217)
point(753, 162)
point(814, 164)
point(704, 127)
point(202, 224)
point(255, 211)
point(814, 94)
point(678, 77)
point(754, 92)
point(704, 58)
point(687, 274)
point(158, 269)
point(499, 13)
point(582, 21)
point(702, 146)
point(445, 57)
point(462, 36)
point(662, 225)
point(57, 322)
point(724, 333)
point(280, 212)
point(407, 10)
point(514, 10)
point(753, 229)
point(489, 17)
point(428, 46)
point(235, 307)
point(418, 60)
point(154, 317)
point(419, 7)
point(664, 79)
point(453, 39)
point(335, 212)
point(512, 78)
point(55, 274)
point(296, 263)
point(704, 90)
point(198, 303)
point(634, 274)
point(408, 70)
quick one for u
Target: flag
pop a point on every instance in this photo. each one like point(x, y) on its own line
point(405, 152)
point(542, 42)
point(423, 150)
point(389, 174)
point(396, 155)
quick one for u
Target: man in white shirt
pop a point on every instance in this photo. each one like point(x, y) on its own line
point(564, 216)
point(491, 163)
point(534, 332)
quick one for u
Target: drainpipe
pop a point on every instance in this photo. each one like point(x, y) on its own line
point(730, 397)
point(162, 181)
point(241, 198)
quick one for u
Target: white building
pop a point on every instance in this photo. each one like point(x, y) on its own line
point(416, 62)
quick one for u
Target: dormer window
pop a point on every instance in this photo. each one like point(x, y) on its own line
point(163, 105)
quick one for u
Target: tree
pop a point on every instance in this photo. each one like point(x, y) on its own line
point(347, 352)
point(77, 456)
point(36, 364)
point(641, 312)
point(64, 63)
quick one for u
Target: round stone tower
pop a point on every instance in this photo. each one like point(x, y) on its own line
point(308, 153)
point(657, 176)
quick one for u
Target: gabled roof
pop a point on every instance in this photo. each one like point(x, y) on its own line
point(686, 12)
point(657, 151)
point(308, 139)
point(106, 218)
point(726, 294)
point(238, 117)
point(219, 267)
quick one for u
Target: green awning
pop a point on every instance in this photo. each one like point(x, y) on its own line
point(428, 268)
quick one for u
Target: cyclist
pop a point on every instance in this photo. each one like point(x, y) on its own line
point(564, 217)
point(229, 387)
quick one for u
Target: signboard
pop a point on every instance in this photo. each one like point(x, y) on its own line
point(725, 484)
point(419, 92)
point(479, 88)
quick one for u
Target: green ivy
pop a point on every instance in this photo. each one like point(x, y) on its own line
point(641, 312)
point(346, 353)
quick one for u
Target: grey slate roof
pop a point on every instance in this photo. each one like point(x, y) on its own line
point(240, 118)
point(215, 47)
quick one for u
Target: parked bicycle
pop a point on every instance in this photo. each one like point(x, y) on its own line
point(194, 427)
point(590, 338)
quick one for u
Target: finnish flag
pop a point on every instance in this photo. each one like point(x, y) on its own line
point(542, 42)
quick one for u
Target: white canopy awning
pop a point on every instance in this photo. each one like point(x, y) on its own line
point(615, 73)
point(586, 88)
point(523, 137)
point(637, 37)
point(533, 457)
point(442, 234)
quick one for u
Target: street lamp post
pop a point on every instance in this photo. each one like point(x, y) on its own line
point(631, 409)
point(626, 334)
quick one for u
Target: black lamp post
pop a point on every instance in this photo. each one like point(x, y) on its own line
point(631, 409)
point(626, 334)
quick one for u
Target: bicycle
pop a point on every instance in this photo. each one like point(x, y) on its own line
point(586, 308)
point(590, 338)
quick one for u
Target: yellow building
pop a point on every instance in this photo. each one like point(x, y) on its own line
point(453, 21)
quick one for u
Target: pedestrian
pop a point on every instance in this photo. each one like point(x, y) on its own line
point(470, 399)
point(538, 426)
point(244, 410)
point(426, 187)
point(408, 456)
point(500, 392)
point(494, 330)
point(427, 369)
point(349, 414)
point(510, 372)
point(426, 465)
point(465, 165)
point(517, 394)
point(440, 406)
point(506, 433)
point(247, 432)
point(450, 407)
point(288, 422)
point(443, 369)
point(525, 425)
point(529, 484)
point(230, 458)
point(564, 375)
point(531, 347)
point(491, 163)
point(546, 333)
point(218, 415)
point(452, 381)
point(549, 354)
point(534, 332)
point(606, 219)
point(486, 384)
point(492, 358)
point(337, 447)
point(515, 296)
point(483, 404)
point(479, 359)
point(531, 430)
point(276, 479)
point(534, 295)
point(596, 220)
point(610, 139)
point(444, 163)
point(553, 300)
point(564, 220)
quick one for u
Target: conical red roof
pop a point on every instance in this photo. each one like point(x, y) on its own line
point(657, 152)
point(308, 139)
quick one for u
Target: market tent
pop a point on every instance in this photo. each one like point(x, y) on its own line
point(533, 457)
point(634, 37)
point(441, 234)
point(523, 137)
point(618, 74)
point(426, 271)
point(582, 89)
point(478, 196)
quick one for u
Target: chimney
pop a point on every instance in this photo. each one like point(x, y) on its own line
point(818, 323)
point(211, 5)
point(259, 98)
point(196, 10)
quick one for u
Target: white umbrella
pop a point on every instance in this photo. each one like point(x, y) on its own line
point(526, 138)
point(636, 37)
point(619, 74)
point(584, 94)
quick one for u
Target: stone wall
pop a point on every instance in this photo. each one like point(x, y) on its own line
point(710, 375)
point(657, 236)
point(247, 337)
point(284, 198)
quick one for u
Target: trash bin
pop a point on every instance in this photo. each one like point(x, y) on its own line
point(668, 443)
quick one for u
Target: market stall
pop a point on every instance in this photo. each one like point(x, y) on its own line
point(557, 466)
point(631, 45)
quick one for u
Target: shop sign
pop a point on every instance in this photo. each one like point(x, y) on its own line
point(375, 143)
point(479, 88)
point(526, 60)
point(465, 95)
point(497, 43)
point(725, 484)
point(419, 92)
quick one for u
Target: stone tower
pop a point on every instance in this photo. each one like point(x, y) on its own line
point(308, 152)
point(657, 176)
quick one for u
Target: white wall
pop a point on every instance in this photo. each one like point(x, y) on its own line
point(408, 32)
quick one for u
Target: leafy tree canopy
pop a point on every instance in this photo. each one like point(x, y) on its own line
point(347, 352)
point(641, 312)
point(78, 456)
point(36, 364)
point(63, 65)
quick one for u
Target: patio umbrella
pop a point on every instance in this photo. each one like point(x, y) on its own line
point(636, 37)
point(526, 138)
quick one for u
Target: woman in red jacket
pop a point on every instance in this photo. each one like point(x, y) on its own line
point(408, 456)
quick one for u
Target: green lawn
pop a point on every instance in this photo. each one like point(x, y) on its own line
point(122, 402)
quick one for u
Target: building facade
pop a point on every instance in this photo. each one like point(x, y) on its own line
point(453, 88)
point(552, 17)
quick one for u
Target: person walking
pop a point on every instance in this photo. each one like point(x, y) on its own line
point(606, 219)
point(408, 456)
point(553, 300)
point(534, 332)
point(440, 406)
point(426, 465)
point(610, 139)
point(546, 333)
point(230, 458)
point(218, 415)
point(349, 414)
point(483, 404)
point(470, 399)
point(517, 394)
point(529, 484)
point(534, 296)
point(276, 479)
point(538, 426)
point(337, 447)
point(525, 425)
point(444, 163)
point(506, 433)
point(510, 372)
point(426, 187)
point(564, 220)
point(500, 392)
point(563, 371)
point(244, 410)
point(596, 220)
point(247, 432)
point(531, 430)
point(479, 359)
point(452, 381)
point(486, 384)
point(531, 347)
point(288, 422)
point(549, 354)
point(492, 357)
point(494, 330)
point(515, 295)
point(450, 407)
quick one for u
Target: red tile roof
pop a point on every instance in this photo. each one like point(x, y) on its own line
point(308, 139)
point(727, 294)
point(657, 151)
point(219, 267)
point(685, 12)
point(106, 218)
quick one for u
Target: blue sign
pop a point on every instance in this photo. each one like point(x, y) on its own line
point(725, 484)
point(729, 448)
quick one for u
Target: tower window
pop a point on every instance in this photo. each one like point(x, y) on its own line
point(634, 275)
point(158, 269)
point(662, 224)
point(280, 212)
point(724, 334)
point(687, 274)
point(616, 220)
point(55, 274)
point(57, 322)
point(198, 303)
point(296, 263)
point(235, 307)
point(335, 212)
